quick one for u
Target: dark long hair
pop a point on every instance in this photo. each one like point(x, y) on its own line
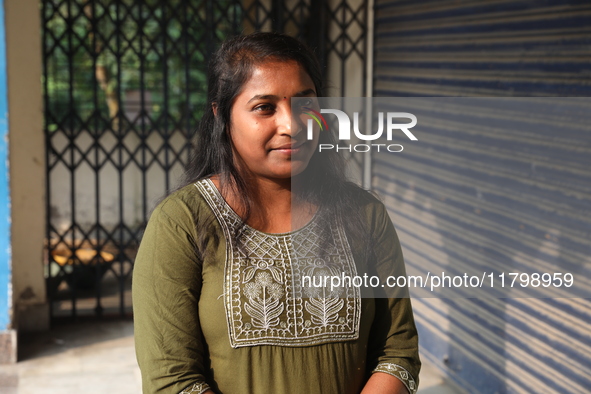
point(230, 68)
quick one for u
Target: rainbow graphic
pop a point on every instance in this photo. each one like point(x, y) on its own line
point(317, 117)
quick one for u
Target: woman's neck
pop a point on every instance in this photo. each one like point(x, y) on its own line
point(273, 208)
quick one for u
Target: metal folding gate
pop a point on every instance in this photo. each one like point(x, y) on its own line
point(124, 83)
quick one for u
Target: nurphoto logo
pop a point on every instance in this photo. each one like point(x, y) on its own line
point(391, 125)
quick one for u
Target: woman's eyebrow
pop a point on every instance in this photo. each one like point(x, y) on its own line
point(263, 97)
point(306, 92)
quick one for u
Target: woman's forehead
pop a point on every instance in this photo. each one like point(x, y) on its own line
point(274, 75)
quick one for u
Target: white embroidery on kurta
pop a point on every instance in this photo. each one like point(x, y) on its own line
point(400, 373)
point(197, 388)
point(265, 301)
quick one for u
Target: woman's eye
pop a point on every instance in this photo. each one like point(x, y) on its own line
point(304, 102)
point(308, 103)
point(264, 108)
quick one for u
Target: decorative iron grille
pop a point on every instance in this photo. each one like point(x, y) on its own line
point(124, 84)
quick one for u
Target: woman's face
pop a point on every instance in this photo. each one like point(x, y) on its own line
point(267, 140)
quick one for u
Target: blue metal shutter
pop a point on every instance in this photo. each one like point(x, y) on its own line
point(473, 195)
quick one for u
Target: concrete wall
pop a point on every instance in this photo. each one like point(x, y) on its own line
point(27, 158)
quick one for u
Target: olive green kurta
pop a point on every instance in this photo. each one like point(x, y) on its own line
point(236, 319)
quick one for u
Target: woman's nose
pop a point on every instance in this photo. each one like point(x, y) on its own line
point(287, 123)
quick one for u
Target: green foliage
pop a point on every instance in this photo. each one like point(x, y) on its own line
point(155, 49)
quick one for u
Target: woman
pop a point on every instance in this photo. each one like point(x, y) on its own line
point(219, 299)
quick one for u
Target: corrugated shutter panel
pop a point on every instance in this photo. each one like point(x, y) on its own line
point(484, 48)
point(491, 195)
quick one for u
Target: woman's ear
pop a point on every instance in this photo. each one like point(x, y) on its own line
point(214, 108)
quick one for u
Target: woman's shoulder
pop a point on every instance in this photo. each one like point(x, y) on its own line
point(186, 202)
point(364, 199)
point(370, 207)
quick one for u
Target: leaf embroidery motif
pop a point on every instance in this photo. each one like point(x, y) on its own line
point(264, 301)
point(324, 310)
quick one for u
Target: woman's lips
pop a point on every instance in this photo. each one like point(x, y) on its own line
point(290, 148)
point(289, 151)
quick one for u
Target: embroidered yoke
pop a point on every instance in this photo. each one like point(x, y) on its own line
point(264, 298)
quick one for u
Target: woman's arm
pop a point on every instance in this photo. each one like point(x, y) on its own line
point(166, 287)
point(382, 383)
point(393, 353)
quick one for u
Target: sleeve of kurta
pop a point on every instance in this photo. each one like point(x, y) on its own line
point(393, 346)
point(166, 286)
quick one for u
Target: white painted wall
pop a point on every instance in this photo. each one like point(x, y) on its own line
point(27, 158)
